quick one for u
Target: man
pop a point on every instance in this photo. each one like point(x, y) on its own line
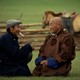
point(57, 52)
point(13, 59)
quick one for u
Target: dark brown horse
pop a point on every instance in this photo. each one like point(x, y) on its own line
point(71, 21)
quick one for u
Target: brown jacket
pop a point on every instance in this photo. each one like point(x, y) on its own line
point(61, 47)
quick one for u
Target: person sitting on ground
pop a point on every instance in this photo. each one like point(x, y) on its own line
point(13, 59)
point(56, 54)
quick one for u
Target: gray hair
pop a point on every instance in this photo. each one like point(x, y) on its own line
point(57, 20)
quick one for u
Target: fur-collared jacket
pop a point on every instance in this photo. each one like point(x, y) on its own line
point(59, 51)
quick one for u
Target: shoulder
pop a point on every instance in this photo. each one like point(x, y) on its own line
point(5, 36)
point(66, 35)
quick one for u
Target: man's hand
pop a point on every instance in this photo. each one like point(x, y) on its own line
point(44, 63)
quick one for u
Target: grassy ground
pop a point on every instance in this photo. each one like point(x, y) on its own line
point(33, 10)
point(74, 75)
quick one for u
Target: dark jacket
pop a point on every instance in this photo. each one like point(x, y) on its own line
point(59, 51)
point(13, 59)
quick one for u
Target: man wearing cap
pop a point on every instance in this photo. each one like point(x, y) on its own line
point(13, 59)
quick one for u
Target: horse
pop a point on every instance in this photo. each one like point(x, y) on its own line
point(71, 22)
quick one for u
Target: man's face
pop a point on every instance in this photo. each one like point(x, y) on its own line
point(54, 26)
point(15, 30)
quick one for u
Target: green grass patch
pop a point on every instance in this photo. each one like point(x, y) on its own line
point(33, 10)
point(74, 75)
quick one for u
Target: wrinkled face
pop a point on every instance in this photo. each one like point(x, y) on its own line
point(15, 30)
point(54, 26)
point(45, 21)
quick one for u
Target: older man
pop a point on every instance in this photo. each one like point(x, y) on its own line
point(13, 59)
point(57, 52)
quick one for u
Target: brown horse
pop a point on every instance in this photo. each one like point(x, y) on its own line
point(71, 22)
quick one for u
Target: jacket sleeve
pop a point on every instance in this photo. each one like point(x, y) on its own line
point(52, 63)
point(38, 60)
point(12, 48)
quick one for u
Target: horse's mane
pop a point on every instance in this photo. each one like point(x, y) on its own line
point(54, 14)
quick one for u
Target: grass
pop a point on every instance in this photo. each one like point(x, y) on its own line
point(32, 12)
point(74, 75)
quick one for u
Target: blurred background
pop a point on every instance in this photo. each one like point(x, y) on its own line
point(31, 11)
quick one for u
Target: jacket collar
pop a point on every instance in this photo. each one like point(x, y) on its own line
point(14, 36)
point(56, 34)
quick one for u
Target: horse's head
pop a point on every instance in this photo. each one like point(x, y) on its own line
point(48, 16)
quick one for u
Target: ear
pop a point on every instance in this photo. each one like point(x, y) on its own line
point(11, 29)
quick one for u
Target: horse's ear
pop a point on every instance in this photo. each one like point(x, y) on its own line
point(74, 14)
